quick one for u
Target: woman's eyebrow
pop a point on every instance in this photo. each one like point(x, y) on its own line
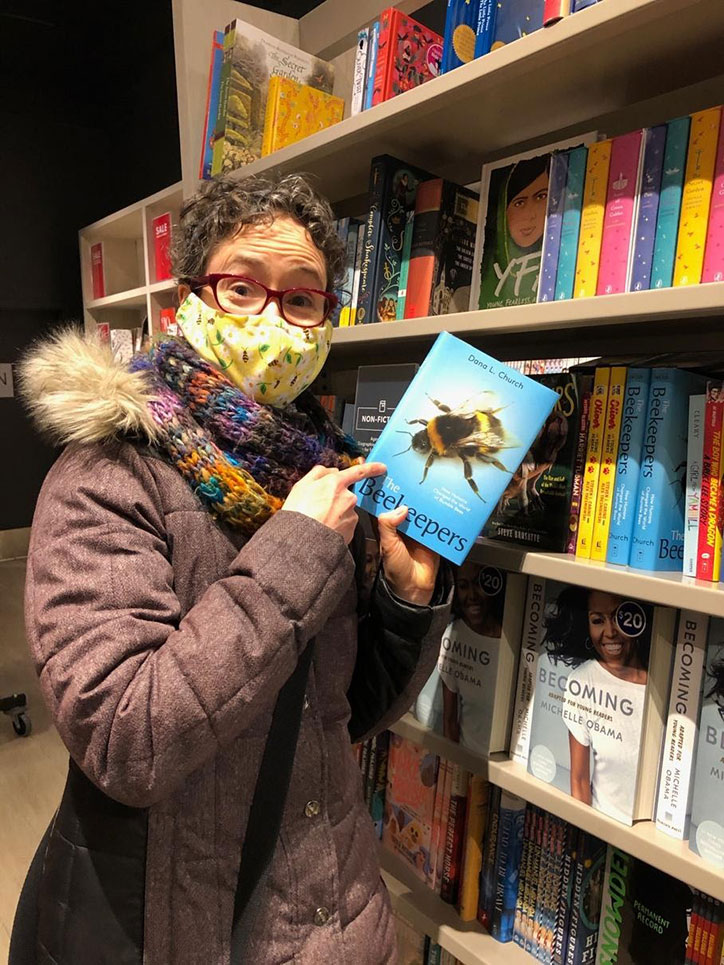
point(252, 262)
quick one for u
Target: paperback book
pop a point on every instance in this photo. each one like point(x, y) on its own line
point(410, 797)
point(470, 421)
point(672, 182)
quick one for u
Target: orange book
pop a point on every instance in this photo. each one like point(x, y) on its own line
point(408, 54)
point(422, 262)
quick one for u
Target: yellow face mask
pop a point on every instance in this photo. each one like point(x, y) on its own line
point(264, 356)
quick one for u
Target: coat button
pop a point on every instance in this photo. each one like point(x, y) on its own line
point(321, 916)
point(306, 702)
point(312, 809)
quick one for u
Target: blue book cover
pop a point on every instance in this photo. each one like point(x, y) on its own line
point(371, 64)
point(582, 4)
point(507, 865)
point(515, 19)
point(628, 464)
point(648, 208)
point(657, 541)
point(672, 185)
point(485, 30)
point(461, 22)
point(217, 53)
point(571, 226)
point(452, 445)
point(554, 218)
point(706, 836)
point(585, 915)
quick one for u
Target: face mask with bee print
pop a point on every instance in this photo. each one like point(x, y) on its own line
point(270, 360)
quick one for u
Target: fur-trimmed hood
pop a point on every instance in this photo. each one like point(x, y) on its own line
point(76, 391)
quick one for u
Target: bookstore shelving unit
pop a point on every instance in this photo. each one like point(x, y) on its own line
point(613, 67)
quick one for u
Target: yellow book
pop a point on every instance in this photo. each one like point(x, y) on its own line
point(271, 115)
point(609, 458)
point(696, 197)
point(478, 794)
point(300, 110)
point(589, 490)
point(592, 212)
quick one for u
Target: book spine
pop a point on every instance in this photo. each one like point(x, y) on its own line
point(489, 849)
point(347, 291)
point(615, 887)
point(673, 804)
point(459, 38)
point(370, 244)
point(358, 258)
point(425, 233)
point(217, 158)
point(478, 792)
point(541, 890)
point(555, 10)
point(386, 43)
point(531, 895)
point(579, 467)
point(696, 197)
point(527, 669)
point(405, 266)
point(267, 142)
point(455, 836)
point(212, 92)
point(563, 907)
point(437, 825)
point(360, 69)
point(713, 269)
point(672, 183)
point(627, 466)
point(379, 787)
point(485, 30)
point(518, 930)
point(371, 773)
point(592, 213)
point(599, 399)
point(618, 220)
point(444, 816)
point(609, 459)
point(371, 64)
point(98, 277)
point(645, 232)
point(708, 562)
point(556, 895)
point(553, 224)
point(434, 954)
point(507, 859)
point(582, 4)
point(571, 225)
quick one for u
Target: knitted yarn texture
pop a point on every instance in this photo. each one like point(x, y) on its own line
point(239, 456)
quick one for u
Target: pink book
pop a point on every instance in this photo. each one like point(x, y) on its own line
point(714, 251)
point(436, 817)
point(444, 810)
point(623, 177)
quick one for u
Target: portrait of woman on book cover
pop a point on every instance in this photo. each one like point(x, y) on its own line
point(606, 640)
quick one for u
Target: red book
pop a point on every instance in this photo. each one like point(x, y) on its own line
point(167, 321)
point(161, 242)
point(709, 546)
point(103, 330)
point(422, 266)
point(408, 54)
point(579, 466)
point(98, 281)
point(455, 836)
point(555, 10)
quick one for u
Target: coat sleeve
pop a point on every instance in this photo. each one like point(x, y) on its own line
point(397, 648)
point(142, 696)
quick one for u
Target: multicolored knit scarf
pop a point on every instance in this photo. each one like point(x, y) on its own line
point(240, 457)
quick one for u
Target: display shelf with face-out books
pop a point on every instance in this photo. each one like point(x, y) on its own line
point(642, 840)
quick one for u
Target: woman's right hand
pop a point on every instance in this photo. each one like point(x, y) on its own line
point(323, 494)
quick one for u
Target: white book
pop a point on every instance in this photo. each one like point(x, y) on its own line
point(694, 459)
point(357, 272)
point(532, 635)
point(673, 806)
point(360, 70)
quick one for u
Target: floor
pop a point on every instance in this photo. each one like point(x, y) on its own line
point(32, 769)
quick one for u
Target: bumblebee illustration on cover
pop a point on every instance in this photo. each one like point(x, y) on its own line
point(453, 444)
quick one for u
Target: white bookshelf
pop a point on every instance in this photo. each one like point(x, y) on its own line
point(618, 65)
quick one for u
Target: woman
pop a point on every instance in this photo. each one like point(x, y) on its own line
point(604, 695)
point(193, 545)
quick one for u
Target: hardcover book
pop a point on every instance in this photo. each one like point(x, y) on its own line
point(469, 893)
point(460, 25)
point(360, 70)
point(587, 888)
point(408, 54)
point(619, 214)
point(597, 718)
point(571, 227)
point(694, 462)
point(490, 844)
point(553, 226)
point(371, 65)
point(507, 862)
point(161, 226)
point(467, 436)
point(672, 183)
point(485, 29)
point(696, 197)
point(294, 111)
point(673, 802)
point(410, 798)
point(251, 58)
point(379, 390)
point(405, 265)
point(515, 19)
point(534, 509)
point(706, 836)
point(713, 269)
point(442, 249)
point(592, 213)
point(648, 206)
point(454, 835)
point(469, 696)
point(212, 104)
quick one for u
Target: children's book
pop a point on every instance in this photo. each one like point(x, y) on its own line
point(694, 463)
point(594, 448)
point(485, 29)
point(455, 835)
point(588, 258)
point(673, 802)
point(583, 921)
point(360, 69)
point(579, 462)
point(408, 54)
point(453, 444)
point(618, 219)
point(346, 293)
point(597, 719)
point(405, 265)
point(571, 227)
point(490, 844)
point(469, 892)
point(672, 183)
point(461, 22)
point(410, 798)
point(647, 211)
point(713, 269)
point(469, 696)
point(212, 103)
point(553, 226)
point(507, 863)
point(294, 111)
point(706, 836)
point(709, 544)
point(515, 19)
point(371, 65)
point(555, 10)
point(609, 458)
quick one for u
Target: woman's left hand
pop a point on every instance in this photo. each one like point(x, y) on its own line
point(410, 568)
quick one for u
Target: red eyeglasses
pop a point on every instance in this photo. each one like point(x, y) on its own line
point(239, 295)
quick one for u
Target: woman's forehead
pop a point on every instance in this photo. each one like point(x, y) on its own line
point(284, 242)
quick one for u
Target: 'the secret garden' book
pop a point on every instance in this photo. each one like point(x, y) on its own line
point(453, 444)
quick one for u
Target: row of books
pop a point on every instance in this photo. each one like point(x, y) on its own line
point(416, 948)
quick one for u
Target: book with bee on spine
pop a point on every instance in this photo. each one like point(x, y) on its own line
point(453, 444)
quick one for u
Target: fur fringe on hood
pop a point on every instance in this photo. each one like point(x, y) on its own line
point(76, 392)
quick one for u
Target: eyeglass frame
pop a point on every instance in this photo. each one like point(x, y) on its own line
point(272, 294)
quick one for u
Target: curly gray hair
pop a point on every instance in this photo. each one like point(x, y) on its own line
point(222, 206)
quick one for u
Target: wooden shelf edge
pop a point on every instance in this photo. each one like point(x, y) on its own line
point(426, 911)
point(167, 285)
point(643, 840)
point(133, 297)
